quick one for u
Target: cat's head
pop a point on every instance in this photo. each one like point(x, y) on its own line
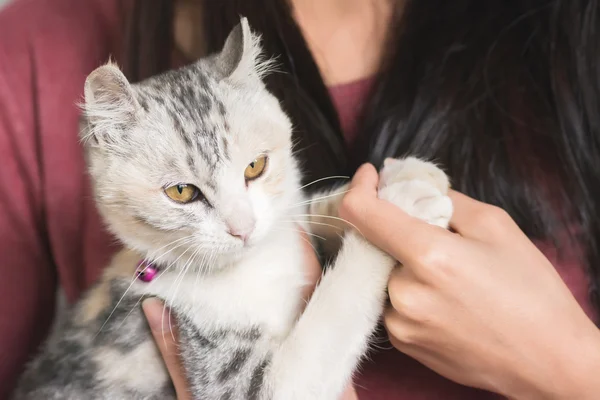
point(196, 162)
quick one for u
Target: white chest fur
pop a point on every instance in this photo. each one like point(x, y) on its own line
point(263, 289)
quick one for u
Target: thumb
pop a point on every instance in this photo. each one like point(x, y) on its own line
point(164, 332)
point(365, 179)
point(382, 223)
point(360, 198)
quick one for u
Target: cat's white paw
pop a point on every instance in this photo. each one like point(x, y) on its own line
point(418, 187)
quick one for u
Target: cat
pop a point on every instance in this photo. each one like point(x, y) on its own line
point(193, 171)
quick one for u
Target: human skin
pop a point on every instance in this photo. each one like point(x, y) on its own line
point(347, 40)
point(480, 305)
point(164, 330)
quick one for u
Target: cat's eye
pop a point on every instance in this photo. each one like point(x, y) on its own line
point(183, 193)
point(256, 168)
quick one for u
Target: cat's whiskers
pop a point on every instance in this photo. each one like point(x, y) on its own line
point(142, 271)
point(151, 259)
point(198, 276)
point(184, 242)
point(155, 259)
point(315, 223)
point(308, 241)
point(299, 231)
point(130, 311)
point(174, 248)
point(321, 180)
point(317, 200)
point(162, 317)
point(185, 238)
point(326, 216)
point(125, 293)
point(133, 281)
point(183, 271)
point(179, 279)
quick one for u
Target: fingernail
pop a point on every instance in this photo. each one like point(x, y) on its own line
point(157, 314)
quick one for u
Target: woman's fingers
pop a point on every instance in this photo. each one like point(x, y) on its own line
point(476, 220)
point(165, 335)
point(404, 237)
point(365, 180)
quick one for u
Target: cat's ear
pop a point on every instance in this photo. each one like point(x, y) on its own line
point(110, 104)
point(241, 56)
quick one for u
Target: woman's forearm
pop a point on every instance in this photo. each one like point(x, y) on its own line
point(568, 370)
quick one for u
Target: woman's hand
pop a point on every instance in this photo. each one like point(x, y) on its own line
point(164, 330)
point(481, 306)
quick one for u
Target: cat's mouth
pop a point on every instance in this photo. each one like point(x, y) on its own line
point(238, 245)
point(244, 244)
point(242, 239)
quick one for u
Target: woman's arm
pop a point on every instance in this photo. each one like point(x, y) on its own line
point(482, 306)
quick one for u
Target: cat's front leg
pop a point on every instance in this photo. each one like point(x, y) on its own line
point(318, 358)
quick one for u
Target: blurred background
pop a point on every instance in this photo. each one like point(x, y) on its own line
point(3, 2)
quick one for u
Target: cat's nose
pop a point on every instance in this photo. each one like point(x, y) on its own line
point(240, 233)
point(241, 227)
point(239, 219)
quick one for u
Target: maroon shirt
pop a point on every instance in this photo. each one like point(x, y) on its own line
point(50, 233)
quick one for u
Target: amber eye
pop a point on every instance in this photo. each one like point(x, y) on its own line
point(182, 193)
point(256, 168)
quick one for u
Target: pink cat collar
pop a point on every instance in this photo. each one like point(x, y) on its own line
point(146, 271)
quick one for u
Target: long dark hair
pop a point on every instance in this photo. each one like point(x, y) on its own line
point(503, 94)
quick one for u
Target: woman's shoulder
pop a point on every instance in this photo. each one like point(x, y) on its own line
point(47, 48)
point(53, 18)
point(61, 37)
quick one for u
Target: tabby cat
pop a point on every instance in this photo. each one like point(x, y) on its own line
point(193, 171)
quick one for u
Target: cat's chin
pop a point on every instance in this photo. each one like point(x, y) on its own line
point(235, 254)
point(230, 257)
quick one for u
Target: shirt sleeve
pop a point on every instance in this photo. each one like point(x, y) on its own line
point(27, 276)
